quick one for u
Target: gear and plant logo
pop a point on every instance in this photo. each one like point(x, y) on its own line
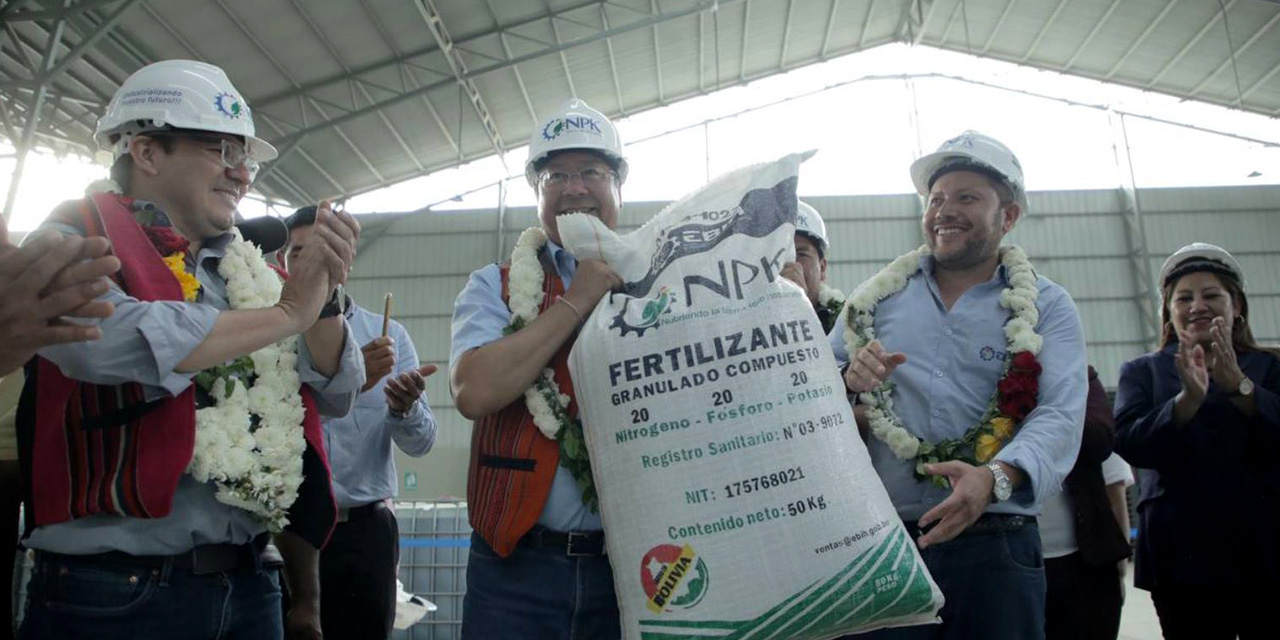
point(673, 577)
point(229, 105)
point(557, 126)
point(646, 315)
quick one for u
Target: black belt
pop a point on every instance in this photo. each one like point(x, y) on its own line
point(361, 512)
point(573, 543)
point(201, 559)
point(986, 523)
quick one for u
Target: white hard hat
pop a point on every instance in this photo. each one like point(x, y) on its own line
point(975, 148)
point(1202, 254)
point(575, 125)
point(179, 94)
point(810, 224)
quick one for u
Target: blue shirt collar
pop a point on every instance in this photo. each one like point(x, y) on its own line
point(927, 263)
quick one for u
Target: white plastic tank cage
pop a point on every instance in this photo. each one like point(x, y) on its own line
point(435, 538)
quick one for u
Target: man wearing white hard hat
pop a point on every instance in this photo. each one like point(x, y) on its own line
point(161, 457)
point(809, 270)
point(537, 567)
point(969, 373)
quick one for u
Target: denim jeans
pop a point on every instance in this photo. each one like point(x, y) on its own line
point(108, 600)
point(538, 594)
point(994, 584)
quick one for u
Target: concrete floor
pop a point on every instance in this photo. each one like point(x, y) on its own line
point(1138, 619)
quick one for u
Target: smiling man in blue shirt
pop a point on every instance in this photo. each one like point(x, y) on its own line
point(358, 566)
point(942, 342)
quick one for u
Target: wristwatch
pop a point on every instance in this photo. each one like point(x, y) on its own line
point(1002, 488)
point(1244, 390)
point(334, 306)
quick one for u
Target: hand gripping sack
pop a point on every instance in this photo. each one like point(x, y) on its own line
point(738, 499)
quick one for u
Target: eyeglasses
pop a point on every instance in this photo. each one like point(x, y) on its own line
point(232, 154)
point(558, 179)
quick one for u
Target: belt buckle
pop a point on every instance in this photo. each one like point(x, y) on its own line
point(344, 514)
point(570, 548)
point(206, 559)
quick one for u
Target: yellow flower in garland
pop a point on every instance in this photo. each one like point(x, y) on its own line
point(1002, 427)
point(177, 264)
point(988, 446)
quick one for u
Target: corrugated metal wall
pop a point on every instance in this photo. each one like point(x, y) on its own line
point(1077, 238)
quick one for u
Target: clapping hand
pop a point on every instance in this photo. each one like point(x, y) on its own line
point(50, 277)
point(1223, 367)
point(1192, 369)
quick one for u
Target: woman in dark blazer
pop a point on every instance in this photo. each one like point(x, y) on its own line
point(1200, 418)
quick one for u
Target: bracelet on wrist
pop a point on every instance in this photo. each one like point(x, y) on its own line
point(581, 319)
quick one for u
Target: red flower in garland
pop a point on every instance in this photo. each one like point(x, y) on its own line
point(1020, 387)
point(166, 240)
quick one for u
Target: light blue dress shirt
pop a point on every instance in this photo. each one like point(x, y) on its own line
point(142, 342)
point(954, 359)
point(479, 316)
point(359, 443)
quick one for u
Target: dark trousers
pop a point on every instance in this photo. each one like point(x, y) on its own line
point(1083, 601)
point(118, 598)
point(538, 593)
point(10, 503)
point(994, 584)
point(1221, 612)
point(358, 577)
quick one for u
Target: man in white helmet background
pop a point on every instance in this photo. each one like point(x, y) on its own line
point(969, 374)
point(810, 268)
point(537, 567)
point(159, 457)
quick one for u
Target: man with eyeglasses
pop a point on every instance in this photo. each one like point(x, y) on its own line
point(537, 567)
point(159, 457)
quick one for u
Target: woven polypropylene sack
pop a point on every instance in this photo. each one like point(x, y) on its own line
point(738, 500)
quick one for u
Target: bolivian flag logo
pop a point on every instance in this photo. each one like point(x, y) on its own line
point(673, 576)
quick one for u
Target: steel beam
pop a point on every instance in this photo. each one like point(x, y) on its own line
point(746, 30)
point(435, 24)
point(991, 37)
point(1145, 295)
point(1140, 39)
point(22, 146)
point(657, 54)
point(287, 142)
point(333, 53)
point(55, 14)
point(102, 30)
point(1209, 24)
point(1097, 26)
point(831, 23)
point(1235, 55)
point(1043, 30)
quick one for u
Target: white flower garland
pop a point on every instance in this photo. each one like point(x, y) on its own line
point(258, 470)
point(830, 296)
point(255, 470)
point(524, 284)
point(1019, 298)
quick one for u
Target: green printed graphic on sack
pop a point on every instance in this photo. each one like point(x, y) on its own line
point(720, 439)
point(882, 583)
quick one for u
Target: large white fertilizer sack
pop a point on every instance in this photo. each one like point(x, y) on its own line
point(738, 500)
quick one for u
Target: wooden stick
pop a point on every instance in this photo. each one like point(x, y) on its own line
point(386, 314)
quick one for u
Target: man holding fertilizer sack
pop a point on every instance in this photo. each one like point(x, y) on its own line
point(537, 567)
